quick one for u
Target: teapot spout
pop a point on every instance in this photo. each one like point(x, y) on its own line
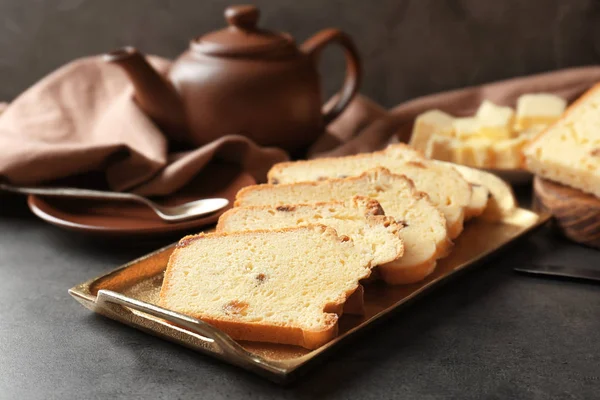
point(154, 94)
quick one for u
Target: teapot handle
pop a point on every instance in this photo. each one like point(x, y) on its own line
point(313, 47)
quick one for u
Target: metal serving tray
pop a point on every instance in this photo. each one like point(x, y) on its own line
point(129, 294)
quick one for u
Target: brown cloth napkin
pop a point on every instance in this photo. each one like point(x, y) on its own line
point(82, 118)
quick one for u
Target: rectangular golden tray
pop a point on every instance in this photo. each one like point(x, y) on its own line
point(129, 295)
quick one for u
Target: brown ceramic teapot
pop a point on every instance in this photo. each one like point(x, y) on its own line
point(242, 80)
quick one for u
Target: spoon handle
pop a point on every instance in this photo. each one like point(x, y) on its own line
point(70, 192)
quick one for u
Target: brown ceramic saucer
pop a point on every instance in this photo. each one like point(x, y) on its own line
point(124, 218)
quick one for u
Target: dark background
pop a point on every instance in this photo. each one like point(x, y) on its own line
point(409, 48)
point(492, 334)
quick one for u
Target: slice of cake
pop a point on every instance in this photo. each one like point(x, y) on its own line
point(360, 218)
point(429, 123)
point(538, 109)
point(500, 197)
point(424, 231)
point(446, 188)
point(495, 122)
point(405, 152)
point(284, 286)
point(568, 152)
point(479, 201)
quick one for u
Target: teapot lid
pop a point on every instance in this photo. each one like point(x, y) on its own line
point(243, 38)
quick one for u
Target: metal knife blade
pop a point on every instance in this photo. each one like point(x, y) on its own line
point(561, 271)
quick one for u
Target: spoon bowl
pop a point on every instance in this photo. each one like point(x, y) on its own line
point(193, 209)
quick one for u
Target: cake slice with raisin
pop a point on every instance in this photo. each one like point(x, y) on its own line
point(282, 286)
point(360, 218)
point(446, 188)
point(424, 232)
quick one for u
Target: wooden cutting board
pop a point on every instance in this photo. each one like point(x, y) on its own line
point(577, 214)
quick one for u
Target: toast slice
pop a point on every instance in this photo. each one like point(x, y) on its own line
point(283, 286)
point(424, 234)
point(446, 188)
point(568, 152)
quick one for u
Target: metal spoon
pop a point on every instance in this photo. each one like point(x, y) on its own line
point(193, 209)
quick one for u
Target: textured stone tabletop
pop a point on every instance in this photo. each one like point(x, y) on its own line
point(489, 334)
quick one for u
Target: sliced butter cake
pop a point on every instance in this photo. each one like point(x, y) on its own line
point(446, 188)
point(424, 232)
point(284, 286)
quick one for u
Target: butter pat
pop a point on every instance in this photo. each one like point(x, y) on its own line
point(464, 154)
point(473, 153)
point(495, 122)
point(440, 148)
point(434, 122)
point(466, 128)
point(479, 153)
point(508, 154)
point(538, 109)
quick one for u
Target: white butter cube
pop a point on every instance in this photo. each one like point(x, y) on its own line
point(473, 153)
point(538, 109)
point(466, 128)
point(495, 122)
point(434, 122)
point(476, 152)
point(440, 148)
point(508, 154)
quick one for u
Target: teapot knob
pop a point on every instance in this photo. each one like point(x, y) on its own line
point(243, 16)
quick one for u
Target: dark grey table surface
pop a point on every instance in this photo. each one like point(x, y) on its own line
point(489, 334)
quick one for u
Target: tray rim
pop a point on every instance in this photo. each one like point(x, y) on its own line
point(282, 371)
